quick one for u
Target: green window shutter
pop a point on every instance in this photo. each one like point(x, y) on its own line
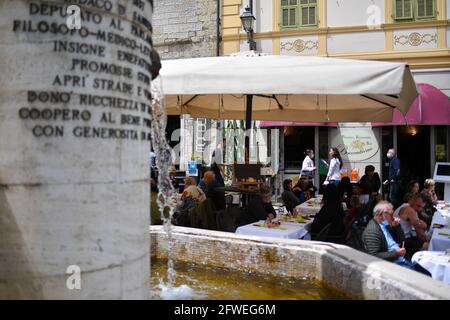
point(289, 13)
point(308, 12)
point(403, 9)
point(425, 9)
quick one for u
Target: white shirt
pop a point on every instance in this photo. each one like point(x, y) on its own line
point(308, 164)
point(334, 171)
point(217, 157)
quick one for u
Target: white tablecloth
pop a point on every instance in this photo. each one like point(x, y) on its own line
point(310, 207)
point(437, 263)
point(288, 230)
point(440, 242)
point(442, 216)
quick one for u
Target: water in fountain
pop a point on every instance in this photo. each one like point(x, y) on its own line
point(166, 198)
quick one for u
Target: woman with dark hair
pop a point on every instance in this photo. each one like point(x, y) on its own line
point(413, 188)
point(290, 200)
point(304, 189)
point(336, 164)
point(345, 189)
point(308, 165)
point(331, 213)
point(370, 182)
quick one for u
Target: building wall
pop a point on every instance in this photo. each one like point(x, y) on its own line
point(359, 146)
point(358, 29)
point(344, 13)
point(185, 29)
point(188, 29)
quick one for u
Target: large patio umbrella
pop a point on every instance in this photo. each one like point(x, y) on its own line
point(293, 88)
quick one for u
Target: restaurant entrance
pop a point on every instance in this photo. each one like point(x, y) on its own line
point(296, 141)
point(413, 149)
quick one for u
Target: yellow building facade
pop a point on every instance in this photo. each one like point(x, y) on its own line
point(416, 32)
point(358, 29)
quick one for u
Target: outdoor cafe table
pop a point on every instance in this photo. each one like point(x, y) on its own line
point(440, 239)
point(310, 207)
point(436, 262)
point(287, 230)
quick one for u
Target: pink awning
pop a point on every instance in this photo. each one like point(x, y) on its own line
point(431, 107)
point(295, 124)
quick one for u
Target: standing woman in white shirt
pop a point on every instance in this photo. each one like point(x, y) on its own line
point(308, 165)
point(334, 170)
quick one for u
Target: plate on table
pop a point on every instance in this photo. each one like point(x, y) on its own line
point(271, 226)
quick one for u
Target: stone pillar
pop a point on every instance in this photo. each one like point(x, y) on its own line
point(74, 149)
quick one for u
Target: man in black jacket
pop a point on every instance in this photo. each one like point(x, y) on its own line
point(260, 208)
point(382, 236)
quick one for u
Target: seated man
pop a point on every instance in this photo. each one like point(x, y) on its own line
point(382, 236)
point(259, 208)
point(413, 228)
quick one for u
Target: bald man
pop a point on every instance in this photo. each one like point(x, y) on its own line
point(394, 178)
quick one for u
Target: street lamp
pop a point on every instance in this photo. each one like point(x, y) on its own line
point(248, 21)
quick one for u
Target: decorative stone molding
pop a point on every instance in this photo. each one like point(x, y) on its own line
point(299, 45)
point(415, 39)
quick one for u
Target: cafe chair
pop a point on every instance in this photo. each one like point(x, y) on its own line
point(228, 219)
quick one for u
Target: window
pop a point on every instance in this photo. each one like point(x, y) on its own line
point(289, 13)
point(425, 9)
point(403, 9)
point(308, 10)
point(298, 13)
point(414, 9)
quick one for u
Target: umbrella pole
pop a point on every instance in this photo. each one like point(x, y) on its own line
point(248, 126)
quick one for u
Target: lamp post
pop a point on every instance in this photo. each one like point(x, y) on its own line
point(248, 21)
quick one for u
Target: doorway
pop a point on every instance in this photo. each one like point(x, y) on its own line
point(413, 150)
point(296, 141)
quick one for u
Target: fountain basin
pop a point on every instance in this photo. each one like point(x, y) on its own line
point(347, 270)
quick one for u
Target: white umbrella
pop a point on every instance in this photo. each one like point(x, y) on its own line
point(288, 88)
point(305, 89)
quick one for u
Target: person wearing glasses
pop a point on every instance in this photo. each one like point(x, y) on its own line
point(384, 238)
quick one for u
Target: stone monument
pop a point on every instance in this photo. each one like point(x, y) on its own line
point(74, 148)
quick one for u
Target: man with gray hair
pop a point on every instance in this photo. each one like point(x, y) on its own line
point(383, 236)
point(380, 238)
point(393, 180)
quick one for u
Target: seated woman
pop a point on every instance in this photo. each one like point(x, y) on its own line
point(331, 213)
point(431, 200)
point(289, 198)
point(304, 190)
point(413, 188)
point(370, 182)
point(191, 190)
